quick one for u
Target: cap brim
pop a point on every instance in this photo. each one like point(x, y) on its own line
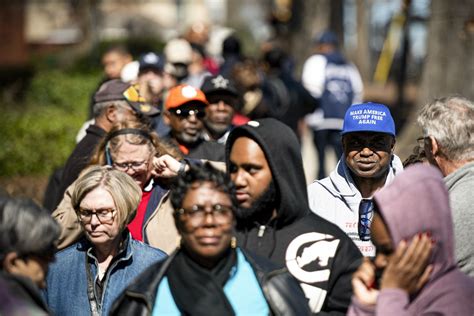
point(190, 102)
point(342, 133)
point(150, 67)
point(222, 91)
point(145, 109)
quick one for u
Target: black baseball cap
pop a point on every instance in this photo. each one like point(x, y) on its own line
point(219, 88)
point(218, 85)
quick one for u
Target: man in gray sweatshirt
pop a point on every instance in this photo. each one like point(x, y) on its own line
point(448, 132)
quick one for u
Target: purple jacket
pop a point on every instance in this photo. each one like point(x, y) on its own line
point(417, 201)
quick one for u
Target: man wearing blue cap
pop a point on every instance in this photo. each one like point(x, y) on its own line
point(336, 84)
point(152, 86)
point(150, 77)
point(367, 164)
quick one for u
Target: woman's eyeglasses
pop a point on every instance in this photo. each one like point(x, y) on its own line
point(185, 113)
point(135, 165)
point(197, 213)
point(105, 216)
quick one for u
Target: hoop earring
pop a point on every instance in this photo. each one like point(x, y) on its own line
point(233, 242)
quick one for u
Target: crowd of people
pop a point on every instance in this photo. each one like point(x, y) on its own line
point(186, 195)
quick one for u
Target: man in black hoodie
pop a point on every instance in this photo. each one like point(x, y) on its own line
point(274, 220)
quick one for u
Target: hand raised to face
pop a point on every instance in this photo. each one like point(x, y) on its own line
point(408, 269)
point(166, 166)
point(362, 283)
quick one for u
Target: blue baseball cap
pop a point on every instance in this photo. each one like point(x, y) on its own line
point(327, 37)
point(368, 117)
point(151, 60)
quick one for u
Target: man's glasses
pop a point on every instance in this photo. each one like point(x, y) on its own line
point(421, 141)
point(197, 213)
point(135, 165)
point(366, 213)
point(185, 113)
point(105, 216)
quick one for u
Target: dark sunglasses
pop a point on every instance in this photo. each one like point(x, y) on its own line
point(185, 113)
point(366, 214)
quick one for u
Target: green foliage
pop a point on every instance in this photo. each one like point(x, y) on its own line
point(69, 91)
point(39, 134)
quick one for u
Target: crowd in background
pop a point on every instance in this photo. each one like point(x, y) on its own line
point(186, 195)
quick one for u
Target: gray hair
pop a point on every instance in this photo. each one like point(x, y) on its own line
point(450, 121)
point(99, 108)
point(26, 228)
point(123, 189)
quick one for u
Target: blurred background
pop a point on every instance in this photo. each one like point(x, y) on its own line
point(407, 52)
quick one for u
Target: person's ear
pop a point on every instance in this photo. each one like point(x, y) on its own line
point(392, 146)
point(111, 114)
point(343, 143)
point(433, 146)
point(12, 263)
point(166, 117)
point(179, 224)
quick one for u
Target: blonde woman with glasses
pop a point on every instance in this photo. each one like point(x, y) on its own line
point(90, 274)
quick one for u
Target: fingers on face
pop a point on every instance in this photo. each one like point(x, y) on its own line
point(409, 254)
point(423, 250)
point(159, 163)
point(399, 252)
point(359, 287)
point(156, 162)
point(416, 254)
point(365, 294)
point(411, 261)
point(424, 277)
point(366, 273)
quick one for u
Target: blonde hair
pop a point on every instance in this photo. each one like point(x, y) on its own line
point(124, 190)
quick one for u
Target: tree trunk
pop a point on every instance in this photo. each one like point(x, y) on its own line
point(14, 50)
point(449, 66)
point(363, 52)
point(314, 18)
point(336, 22)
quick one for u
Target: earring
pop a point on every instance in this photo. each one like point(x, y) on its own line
point(233, 242)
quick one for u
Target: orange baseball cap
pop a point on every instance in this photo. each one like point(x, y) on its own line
point(182, 94)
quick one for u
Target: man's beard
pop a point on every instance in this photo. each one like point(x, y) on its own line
point(187, 139)
point(217, 129)
point(261, 210)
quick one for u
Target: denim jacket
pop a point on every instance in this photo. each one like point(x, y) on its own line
point(66, 292)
